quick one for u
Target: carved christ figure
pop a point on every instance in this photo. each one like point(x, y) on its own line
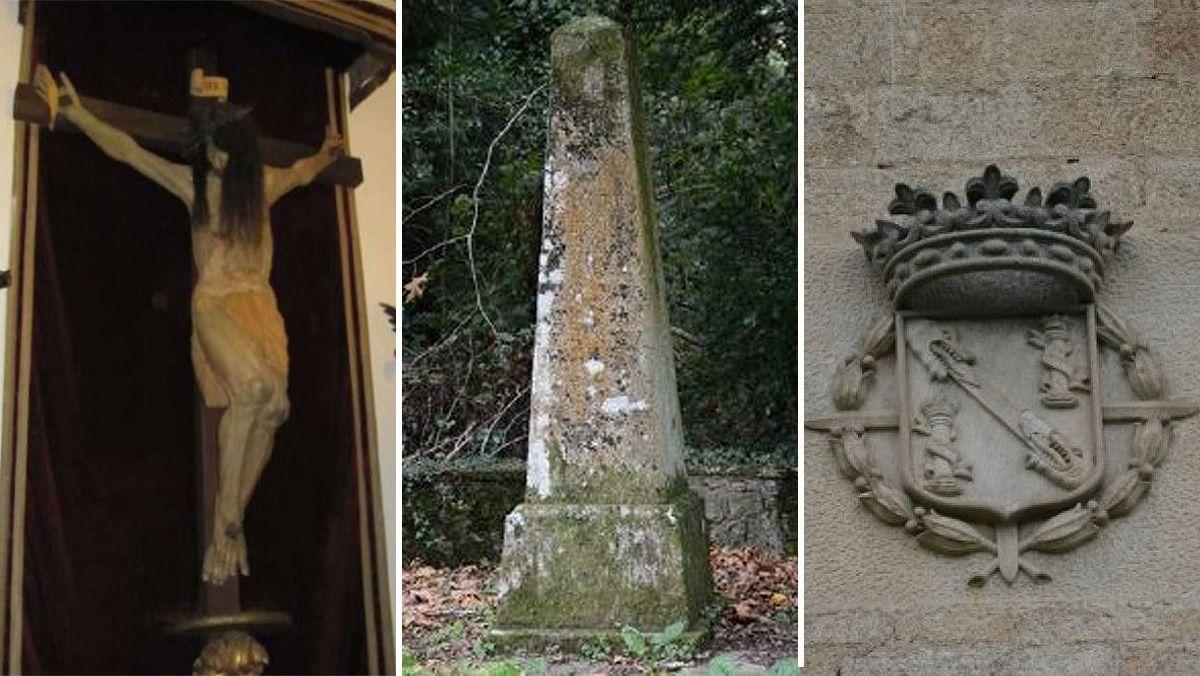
point(239, 347)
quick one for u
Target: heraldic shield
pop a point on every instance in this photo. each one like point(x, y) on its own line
point(997, 334)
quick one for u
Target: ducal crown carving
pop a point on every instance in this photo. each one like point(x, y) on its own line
point(999, 434)
point(1063, 235)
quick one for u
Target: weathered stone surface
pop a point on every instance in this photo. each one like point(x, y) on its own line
point(991, 621)
point(609, 533)
point(590, 566)
point(848, 46)
point(742, 510)
point(950, 42)
point(1076, 660)
point(839, 126)
point(924, 122)
point(980, 42)
point(1147, 658)
point(604, 413)
point(979, 82)
point(1169, 37)
point(1037, 119)
point(456, 516)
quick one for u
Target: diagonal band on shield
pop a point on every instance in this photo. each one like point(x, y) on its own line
point(1051, 452)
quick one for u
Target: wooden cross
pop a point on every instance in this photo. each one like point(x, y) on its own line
point(224, 599)
point(168, 134)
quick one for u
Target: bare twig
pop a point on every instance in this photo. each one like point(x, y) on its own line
point(689, 337)
point(487, 437)
point(448, 415)
point(460, 442)
point(450, 337)
point(432, 201)
point(475, 198)
point(510, 442)
point(435, 247)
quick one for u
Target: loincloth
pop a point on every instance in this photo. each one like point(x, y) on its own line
point(254, 312)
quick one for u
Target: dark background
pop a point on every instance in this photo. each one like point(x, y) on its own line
point(111, 527)
point(720, 97)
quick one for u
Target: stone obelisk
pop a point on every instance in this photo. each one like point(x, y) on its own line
point(609, 533)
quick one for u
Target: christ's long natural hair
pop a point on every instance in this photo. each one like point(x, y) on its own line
point(241, 181)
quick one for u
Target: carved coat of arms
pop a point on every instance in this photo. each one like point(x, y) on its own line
point(996, 333)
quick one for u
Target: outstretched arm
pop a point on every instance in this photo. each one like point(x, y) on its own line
point(281, 181)
point(115, 143)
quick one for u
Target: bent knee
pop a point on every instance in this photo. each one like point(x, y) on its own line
point(277, 410)
point(258, 391)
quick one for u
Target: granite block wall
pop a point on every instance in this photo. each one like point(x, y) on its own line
point(928, 93)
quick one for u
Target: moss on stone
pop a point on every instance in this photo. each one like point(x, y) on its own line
point(455, 515)
point(593, 567)
point(575, 50)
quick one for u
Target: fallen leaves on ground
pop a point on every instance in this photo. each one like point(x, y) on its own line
point(416, 287)
point(434, 596)
point(760, 591)
point(445, 611)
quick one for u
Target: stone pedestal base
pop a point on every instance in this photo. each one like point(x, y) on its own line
point(574, 571)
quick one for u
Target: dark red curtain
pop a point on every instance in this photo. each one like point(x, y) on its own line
point(111, 534)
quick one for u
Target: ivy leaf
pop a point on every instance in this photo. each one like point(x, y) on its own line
point(635, 642)
point(721, 665)
point(672, 632)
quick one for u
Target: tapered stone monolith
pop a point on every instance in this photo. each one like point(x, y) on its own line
point(609, 533)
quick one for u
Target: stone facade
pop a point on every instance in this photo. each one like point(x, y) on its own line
point(928, 93)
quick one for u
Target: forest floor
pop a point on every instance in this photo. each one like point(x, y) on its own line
point(446, 612)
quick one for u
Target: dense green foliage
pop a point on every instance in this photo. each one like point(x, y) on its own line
point(720, 93)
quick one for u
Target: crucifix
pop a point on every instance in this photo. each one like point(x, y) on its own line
point(239, 342)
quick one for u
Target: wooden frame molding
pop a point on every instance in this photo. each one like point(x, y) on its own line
point(165, 133)
point(14, 445)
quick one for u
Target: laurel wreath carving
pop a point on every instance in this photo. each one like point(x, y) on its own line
point(852, 378)
point(1059, 533)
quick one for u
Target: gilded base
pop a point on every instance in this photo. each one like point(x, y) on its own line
point(233, 653)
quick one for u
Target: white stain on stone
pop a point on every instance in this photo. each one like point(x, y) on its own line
point(545, 301)
point(589, 318)
point(538, 475)
point(622, 404)
point(591, 391)
point(593, 366)
point(509, 577)
point(555, 276)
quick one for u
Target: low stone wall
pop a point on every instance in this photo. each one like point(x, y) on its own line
point(455, 516)
point(749, 508)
